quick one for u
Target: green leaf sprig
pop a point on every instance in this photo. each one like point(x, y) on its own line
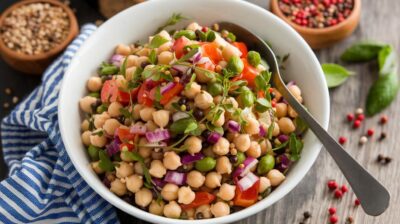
point(335, 74)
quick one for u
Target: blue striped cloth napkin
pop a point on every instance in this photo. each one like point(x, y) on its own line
point(43, 185)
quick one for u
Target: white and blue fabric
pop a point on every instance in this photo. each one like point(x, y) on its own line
point(43, 185)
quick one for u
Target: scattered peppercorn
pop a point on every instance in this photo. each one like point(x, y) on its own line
point(333, 219)
point(370, 132)
point(384, 119)
point(380, 158)
point(363, 140)
point(344, 189)
point(342, 140)
point(306, 215)
point(388, 160)
point(357, 202)
point(356, 124)
point(361, 117)
point(383, 159)
point(349, 220)
point(338, 193)
point(382, 136)
point(350, 117)
point(332, 210)
point(332, 185)
point(7, 91)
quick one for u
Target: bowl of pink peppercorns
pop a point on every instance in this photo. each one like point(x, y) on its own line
point(320, 22)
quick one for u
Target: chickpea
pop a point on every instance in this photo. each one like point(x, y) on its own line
point(142, 53)
point(165, 34)
point(94, 84)
point(266, 147)
point(100, 119)
point(161, 118)
point(129, 72)
point(123, 49)
point(231, 136)
point(242, 142)
point(193, 144)
point(170, 192)
point(223, 165)
point(220, 209)
point(143, 197)
point(265, 183)
point(172, 160)
point(85, 125)
point(190, 213)
point(230, 51)
point(86, 103)
point(203, 100)
point(194, 26)
point(276, 177)
point(146, 114)
point(291, 112)
point(96, 168)
point(111, 125)
point(281, 110)
point(213, 180)
point(192, 91)
point(172, 210)
point(156, 207)
point(254, 150)
point(220, 121)
point(226, 192)
point(118, 187)
point(295, 91)
point(134, 183)
point(185, 195)
point(164, 47)
point(131, 61)
point(219, 41)
point(157, 169)
point(276, 130)
point(150, 126)
point(145, 152)
point(221, 147)
point(86, 137)
point(252, 126)
point(125, 169)
point(195, 179)
point(203, 211)
point(286, 125)
point(165, 57)
point(114, 109)
point(136, 111)
point(97, 140)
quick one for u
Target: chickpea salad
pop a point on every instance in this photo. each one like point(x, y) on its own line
point(187, 126)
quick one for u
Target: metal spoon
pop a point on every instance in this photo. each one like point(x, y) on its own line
point(373, 196)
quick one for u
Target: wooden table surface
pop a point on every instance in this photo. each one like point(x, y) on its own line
point(379, 21)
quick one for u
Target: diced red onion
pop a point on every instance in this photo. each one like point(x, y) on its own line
point(116, 59)
point(247, 181)
point(284, 101)
point(188, 158)
point(291, 83)
point(196, 57)
point(175, 178)
point(157, 135)
point(159, 183)
point(262, 132)
point(249, 163)
point(283, 162)
point(213, 137)
point(167, 87)
point(112, 148)
point(138, 129)
point(179, 115)
point(180, 68)
point(283, 138)
point(233, 126)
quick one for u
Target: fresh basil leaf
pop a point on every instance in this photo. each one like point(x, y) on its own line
point(387, 60)
point(261, 83)
point(153, 57)
point(335, 74)
point(190, 127)
point(108, 69)
point(382, 93)
point(98, 133)
point(295, 147)
point(105, 162)
point(262, 105)
point(266, 75)
point(179, 126)
point(157, 41)
point(212, 128)
point(123, 67)
point(362, 51)
point(174, 19)
point(135, 81)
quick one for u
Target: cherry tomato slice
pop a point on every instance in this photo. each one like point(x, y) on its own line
point(211, 51)
point(111, 93)
point(179, 45)
point(125, 135)
point(242, 47)
point(201, 198)
point(249, 73)
point(247, 197)
point(167, 96)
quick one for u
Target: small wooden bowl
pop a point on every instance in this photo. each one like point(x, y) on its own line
point(36, 64)
point(319, 38)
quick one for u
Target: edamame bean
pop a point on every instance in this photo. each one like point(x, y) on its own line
point(191, 35)
point(235, 65)
point(205, 164)
point(93, 152)
point(265, 164)
point(240, 158)
point(254, 58)
point(214, 88)
point(246, 96)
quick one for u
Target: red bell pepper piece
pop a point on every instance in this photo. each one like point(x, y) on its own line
point(201, 198)
point(125, 135)
point(167, 96)
point(249, 73)
point(242, 47)
point(247, 197)
point(211, 51)
point(179, 45)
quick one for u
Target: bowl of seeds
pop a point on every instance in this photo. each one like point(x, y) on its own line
point(320, 22)
point(34, 32)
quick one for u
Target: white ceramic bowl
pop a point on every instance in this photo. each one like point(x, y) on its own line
point(141, 21)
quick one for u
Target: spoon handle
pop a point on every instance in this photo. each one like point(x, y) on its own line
point(373, 196)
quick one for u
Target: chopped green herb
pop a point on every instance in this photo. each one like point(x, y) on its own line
point(153, 57)
point(123, 67)
point(137, 157)
point(295, 147)
point(108, 69)
point(105, 162)
point(262, 105)
point(174, 19)
point(157, 94)
point(125, 112)
point(180, 126)
point(191, 35)
point(157, 41)
point(335, 74)
point(93, 152)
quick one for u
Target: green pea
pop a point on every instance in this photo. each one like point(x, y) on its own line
point(93, 153)
point(265, 164)
point(254, 58)
point(95, 94)
point(246, 96)
point(206, 164)
point(235, 65)
point(215, 88)
point(191, 35)
point(102, 108)
point(240, 158)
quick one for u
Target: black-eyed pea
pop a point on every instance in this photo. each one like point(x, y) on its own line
point(220, 209)
point(97, 139)
point(143, 197)
point(165, 57)
point(172, 210)
point(281, 110)
point(203, 212)
point(226, 192)
point(286, 125)
point(129, 72)
point(221, 148)
point(291, 112)
point(195, 179)
point(156, 207)
point(276, 177)
point(213, 180)
point(111, 125)
point(86, 103)
point(185, 195)
point(254, 150)
point(193, 144)
point(134, 183)
point(96, 168)
point(124, 169)
point(224, 166)
point(265, 183)
point(123, 49)
point(203, 100)
point(118, 187)
point(276, 130)
point(94, 84)
point(138, 168)
point(146, 113)
point(252, 126)
point(192, 91)
point(242, 142)
point(170, 192)
point(171, 160)
point(86, 137)
point(230, 51)
point(157, 169)
point(161, 118)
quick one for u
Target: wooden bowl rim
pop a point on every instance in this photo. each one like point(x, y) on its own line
point(73, 28)
point(316, 31)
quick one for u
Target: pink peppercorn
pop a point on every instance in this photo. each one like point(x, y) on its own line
point(342, 140)
point(350, 117)
point(384, 119)
point(361, 117)
point(332, 210)
point(338, 193)
point(333, 219)
point(370, 132)
point(357, 202)
point(344, 189)
point(356, 124)
point(332, 185)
